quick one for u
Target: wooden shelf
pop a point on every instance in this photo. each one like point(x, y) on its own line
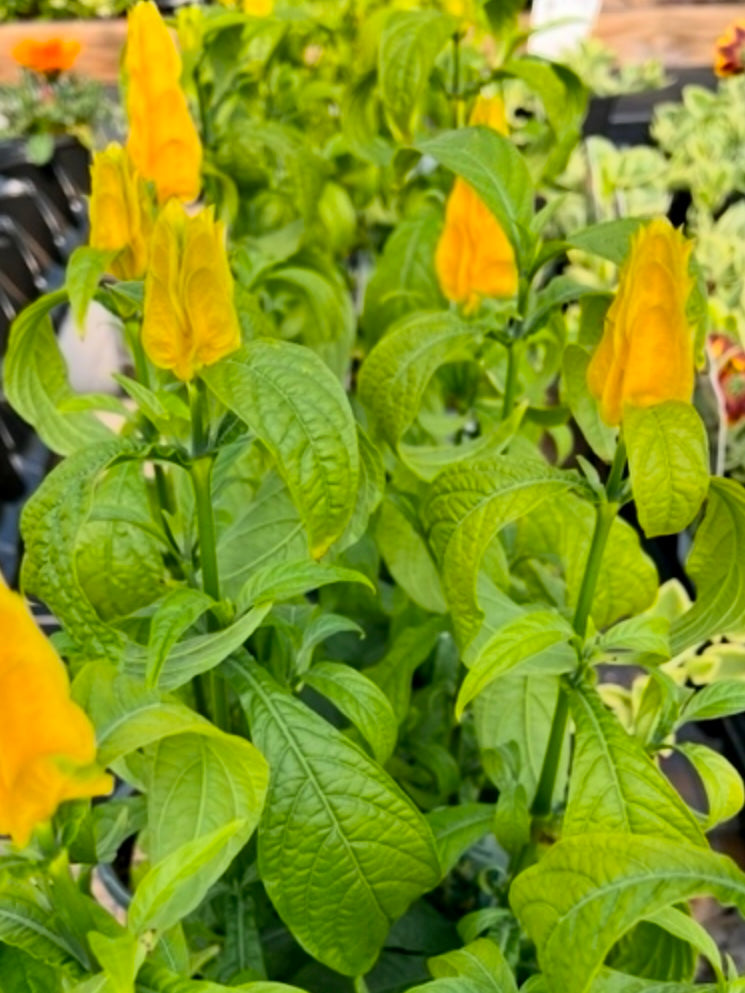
point(678, 34)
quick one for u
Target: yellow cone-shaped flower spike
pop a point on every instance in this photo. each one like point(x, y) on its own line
point(47, 744)
point(258, 8)
point(645, 356)
point(189, 317)
point(474, 257)
point(163, 141)
point(120, 213)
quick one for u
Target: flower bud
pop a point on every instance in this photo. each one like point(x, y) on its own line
point(189, 316)
point(47, 743)
point(474, 257)
point(120, 212)
point(163, 141)
point(645, 355)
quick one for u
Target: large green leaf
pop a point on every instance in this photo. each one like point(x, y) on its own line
point(409, 45)
point(397, 371)
point(295, 405)
point(404, 279)
point(615, 785)
point(589, 890)
point(342, 852)
point(466, 508)
point(669, 464)
point(492, 165)
point(36, 385)
point(716, 566)
point(408, 559)
point(51, 523)
point(457, 828)
point(29, 924)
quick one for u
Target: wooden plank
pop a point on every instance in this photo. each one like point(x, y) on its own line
point(101, 42)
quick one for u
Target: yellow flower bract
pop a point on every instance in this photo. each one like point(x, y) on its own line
point(163, 142)
point(121, 217)
point(645, 356)
point(474, 257)
point(47, 744)
point(189, 316)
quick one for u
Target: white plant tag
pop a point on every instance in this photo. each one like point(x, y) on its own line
point(576, 20)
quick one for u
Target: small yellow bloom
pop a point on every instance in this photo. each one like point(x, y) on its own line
point(163, 141)
point(729, 56)
point(645, 356)
point(189, 318)
point(464, 10)
point(120, 212)
point(474, 257)
point(47, 743)
point(258, 8)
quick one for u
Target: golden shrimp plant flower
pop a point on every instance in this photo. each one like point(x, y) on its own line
point(120, 212)
point(258, 8)
point(646, 353)
point(47, 743)
point(189, 317)
point(474, 257)
point(163, 141)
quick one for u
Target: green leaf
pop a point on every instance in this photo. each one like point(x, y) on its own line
point(288, 580)
point(584, 406)
point(723, 784)
point(459, 985)
point(409, 44)
point(615, 786)
point(668, 463)
point(408, 559)
point(609, 240)
point(724, 698)
point(456, 829)
point(36, 384)
point(556, 295)
point(683, 927)
point(166, 893)
point(482, 961)
point(153, 979)
point(27, 923)
point(651, 951)
point(342, 852)
point(361, 701)
point(197, 783)
point(85, 267)
point(528, 635)
point(177, 612)
point(120, 957)
point(519, 709)
point(492, 165)
point(295, 405)
point(23, 974)
point(716, 565)
point(404, 279)
point(589, 890)
point(466, 508)
point(394, 672)
point(396, 373)
point(193, 656)
point(645, 634)
point(51, 523)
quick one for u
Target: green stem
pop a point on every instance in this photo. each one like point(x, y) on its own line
point(605, 516)
point(510, 386)
point(456, 82)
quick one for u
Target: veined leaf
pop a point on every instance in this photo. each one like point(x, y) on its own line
point(85, 267)
point(396, 373)
point(360, 700)
point(342, 852)
point(467, 506)
point(585, 409)
point(609, 239)
point(716, 565)
point(408, 559)
point(482, 961)
point(394, 672)
point(528, 635)
point(288, 580)
point(669, 464)
point(23, 974)
point(724, 698)
point(589, 890)
point(615, 786)
point(295, 405)
point(29, 925)
point(493, 166)
point(457, 828)
point(410, 43)
point(50, 525)
point(725, 794)
point(153, 979)
point(36, 385)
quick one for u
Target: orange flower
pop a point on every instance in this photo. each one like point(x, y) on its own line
point(645, 355)
point(163, 141)
point(47, 743)
point(50, 57)
point(474, 257)
point(729, 57)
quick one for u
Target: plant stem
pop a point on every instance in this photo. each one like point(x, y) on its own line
point(605, 515)
point(510, 386)
point(456, 82)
